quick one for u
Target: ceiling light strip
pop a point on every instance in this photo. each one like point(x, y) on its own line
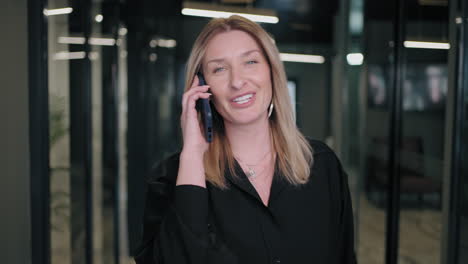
point(65, 55)
point(291, 57)
point(426, 45)
point(58, 11)
point(216, 14)
point(71, 40)
point(76, 55)
point(92, 41)
point(102, 41)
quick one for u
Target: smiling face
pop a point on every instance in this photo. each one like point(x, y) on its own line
point(239, 77)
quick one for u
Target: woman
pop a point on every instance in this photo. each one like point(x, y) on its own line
point(260, 192)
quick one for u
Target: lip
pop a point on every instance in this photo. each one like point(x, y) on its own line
point(249, 103)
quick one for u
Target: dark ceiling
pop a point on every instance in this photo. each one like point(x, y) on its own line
point(300, 21)
point(415, 10)
point(303, 21)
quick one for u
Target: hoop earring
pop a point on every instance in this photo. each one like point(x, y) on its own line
point(270, 110)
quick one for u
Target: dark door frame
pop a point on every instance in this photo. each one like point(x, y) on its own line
point(455, 121)
point(39, 132)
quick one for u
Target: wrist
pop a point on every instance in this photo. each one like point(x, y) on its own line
point(192, 154)
point(191, 169)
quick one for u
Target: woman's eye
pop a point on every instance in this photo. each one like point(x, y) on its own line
point(251, 62)
point(218, 69)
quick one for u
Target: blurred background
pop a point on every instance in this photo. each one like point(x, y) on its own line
point(91, 91)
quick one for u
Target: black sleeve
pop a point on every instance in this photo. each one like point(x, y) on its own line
point(175, 226)
point(346, 221)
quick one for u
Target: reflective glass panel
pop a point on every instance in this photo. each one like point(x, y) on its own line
point(424, 92)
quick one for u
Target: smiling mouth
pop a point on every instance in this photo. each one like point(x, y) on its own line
point(243, 99)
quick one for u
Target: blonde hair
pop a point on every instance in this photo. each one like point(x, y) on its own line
point(294, 154)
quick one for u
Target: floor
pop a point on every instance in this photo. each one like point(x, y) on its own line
point(420, 235)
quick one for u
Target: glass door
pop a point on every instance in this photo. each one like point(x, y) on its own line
point(457, 212)
point(421, 150)
point(87, 95)
point(395, 97)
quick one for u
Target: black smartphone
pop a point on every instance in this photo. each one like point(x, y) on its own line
point(203, 107)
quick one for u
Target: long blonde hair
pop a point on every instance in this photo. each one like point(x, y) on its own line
point(294, 154)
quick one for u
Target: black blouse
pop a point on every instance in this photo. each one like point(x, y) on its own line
point(311, 223)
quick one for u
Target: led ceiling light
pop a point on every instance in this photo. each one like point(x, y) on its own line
point(58, 11)
point(102, 41)
point(214, 10)
point(98, 18)
point(71, 40)
point(426, 45)
point(355, 58)
point(76, 55)
point(163, 42)
point(123, 31)
point(65, 55)
point(291, 57)
point(92, 41)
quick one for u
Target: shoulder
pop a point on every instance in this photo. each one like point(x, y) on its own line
point(163, 173)
point(323, 155)
point(319, 147)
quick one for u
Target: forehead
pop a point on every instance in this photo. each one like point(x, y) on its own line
point(230, 43)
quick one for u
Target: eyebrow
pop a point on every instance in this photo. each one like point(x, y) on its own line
point(244, 54)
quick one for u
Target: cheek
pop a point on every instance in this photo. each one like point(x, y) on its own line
point(218, 104)
point(216, 94)
point(268, 86)
point(266, 79)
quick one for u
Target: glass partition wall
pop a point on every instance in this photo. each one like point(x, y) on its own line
point(86, 85)
point(421, 150)
point(59, 120)
point(398, 99)
point(391, 86)
point(456, 202)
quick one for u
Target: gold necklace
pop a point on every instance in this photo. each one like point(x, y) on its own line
point(251, 173)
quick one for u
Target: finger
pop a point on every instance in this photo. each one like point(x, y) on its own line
point(190, 108)
point(191, 102)
point(191, 91)
point(187, 97)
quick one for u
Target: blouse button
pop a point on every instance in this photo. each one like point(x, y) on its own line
point(276, 261)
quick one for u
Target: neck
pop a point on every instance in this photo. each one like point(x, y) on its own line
point(251, 141)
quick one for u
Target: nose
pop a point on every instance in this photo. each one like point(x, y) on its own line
point(237, 79)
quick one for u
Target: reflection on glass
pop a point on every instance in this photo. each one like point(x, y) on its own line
point(60, 204)
point(425, 87)
point(123, 254)
point(421, 158)
point(100, 249)
point(371, 88)
point(377, 92)
point(463, 188)
point(420, 215)
point(373, 197)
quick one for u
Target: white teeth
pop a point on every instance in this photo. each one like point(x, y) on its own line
point(243, 99)
point(242, 102)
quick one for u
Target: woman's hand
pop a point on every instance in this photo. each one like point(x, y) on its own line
point(194, 141)
point(191, 168)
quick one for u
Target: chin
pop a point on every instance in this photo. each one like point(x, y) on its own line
point(247, 120)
